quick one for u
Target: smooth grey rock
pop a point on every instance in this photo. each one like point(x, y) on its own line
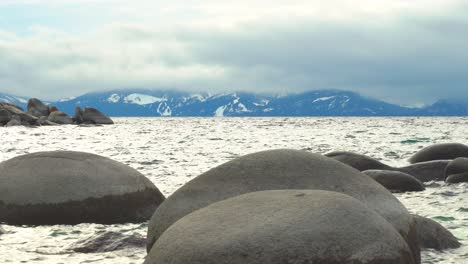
point(44, 121)
point(93, 115)
point(433, 235)
point(66, 187)
point(109, 241)
point(275, 170)
point(5, 116)
point(443, 151)
point(396, 181)
point(14, 122)
point(37, 108)
point(427, 171)
point(282, 226)
point(358, 161)
point(457, 171)
point(59, 117)
point(78, 118)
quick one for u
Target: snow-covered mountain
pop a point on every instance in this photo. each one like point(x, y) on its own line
point(138, 102)
point(19, 101)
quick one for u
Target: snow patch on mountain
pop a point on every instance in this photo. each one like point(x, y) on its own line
point(142, 99)
point(114, 98)
point(323, 99)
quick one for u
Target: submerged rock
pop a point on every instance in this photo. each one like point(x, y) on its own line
point(443, 151)
point(282, 226)
point(280, 169)
point(457, 171)
point(427, 171)
point(93, 115)
point(358, 161)
point(109, 241)
point(433, 235)
point(37, 108)
point(66, 187)
point(59, 117)
point(396, 181)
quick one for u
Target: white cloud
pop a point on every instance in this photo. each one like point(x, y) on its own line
point(381, 48)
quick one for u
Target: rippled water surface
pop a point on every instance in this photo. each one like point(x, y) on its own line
point(171, 151)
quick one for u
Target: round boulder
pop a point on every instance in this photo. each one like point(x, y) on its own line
point(109, 241)
point(60, 117)
point(283, 226)
point(443, 151)
point(37, 108)
point(396, 181)
point(433, 235)
point(426, 171)
point(358, 161)
point(277, 170)
point(457, 171)
point(67, 187)
point(93, 115)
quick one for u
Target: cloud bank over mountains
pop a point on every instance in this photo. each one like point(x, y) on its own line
point(409, 52)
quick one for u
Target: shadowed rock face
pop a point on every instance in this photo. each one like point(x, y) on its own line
point(283, 226)
point(95, 116)
point(444, 151)
point(396, 181)
point(5, 116)
point(358, 161)
point(65, 187)
point(274, 170)
point(17, 111)
point(108, 241)
point(427, 171)
point(457, 171)
point(433, 235)
point(37, 108)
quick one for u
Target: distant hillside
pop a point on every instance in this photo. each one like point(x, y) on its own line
point(138, 102)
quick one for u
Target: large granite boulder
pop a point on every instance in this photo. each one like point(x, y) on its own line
point(66, 187)
point(14, 121)
point(60, 117)
point(457, 171)
point(443, 151)
point(396, 181)
point(433, 235)
point(282, 226)
point(427, 171)
point(37, 108)
point(280, 169)
point(95, 116)
point(358, 161)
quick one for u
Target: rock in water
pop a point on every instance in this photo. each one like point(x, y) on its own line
point(59, 117)
point(276, 170)
point(444, 151)
point(78, 118)
point(396, 181)
point(37, 108)
point(433, 235)
point(66, 187)
point(93, 115)
point(358, 161)
point(283, 226)
point(457, 171)
point(109, 241)
point(44, 121)
point(5, 117)
point(426, 171)
point(15, 121)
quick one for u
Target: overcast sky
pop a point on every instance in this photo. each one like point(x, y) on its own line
point(405, 51)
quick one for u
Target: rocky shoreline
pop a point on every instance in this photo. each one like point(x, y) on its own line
point(40, 114)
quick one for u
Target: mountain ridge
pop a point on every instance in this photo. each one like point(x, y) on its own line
point(143, 102)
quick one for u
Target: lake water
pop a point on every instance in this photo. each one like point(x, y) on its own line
point(171, 151)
